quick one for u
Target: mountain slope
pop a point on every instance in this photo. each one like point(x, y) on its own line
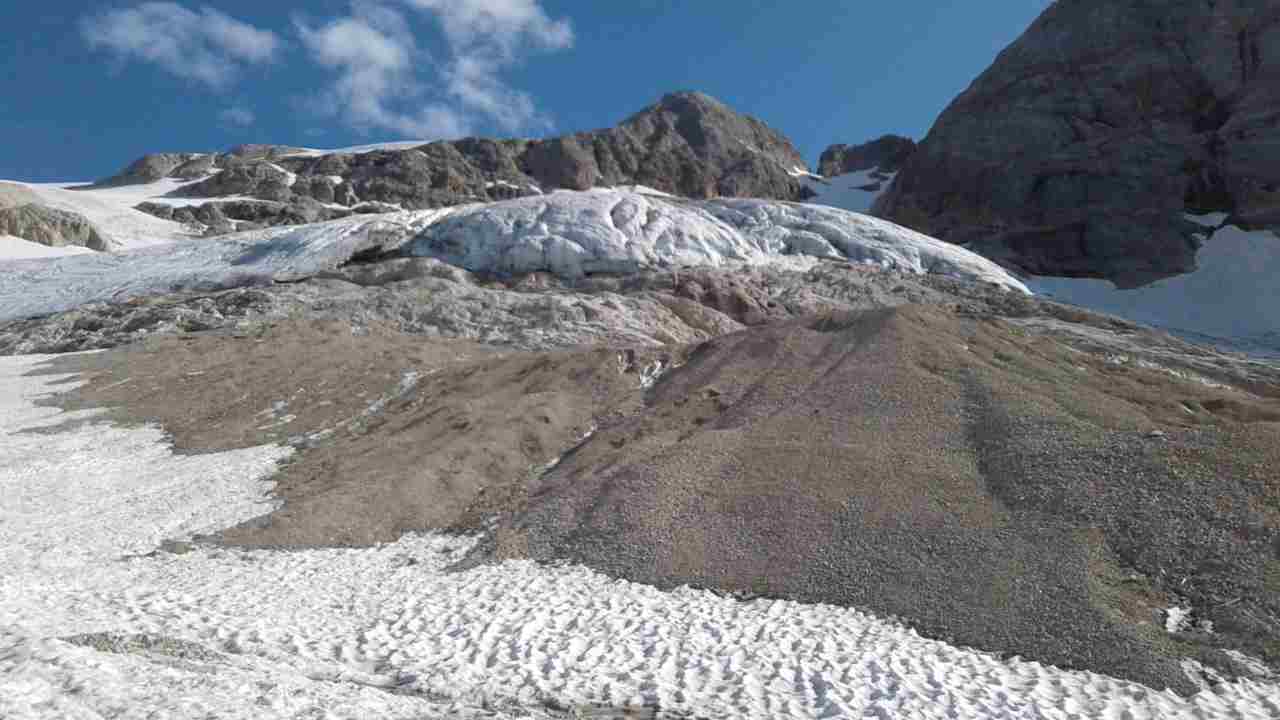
point(1080, 150)
point(687, 144)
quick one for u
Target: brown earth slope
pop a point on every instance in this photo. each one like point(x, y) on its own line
point(986, 485)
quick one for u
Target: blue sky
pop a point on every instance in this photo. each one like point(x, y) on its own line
point(91, 85)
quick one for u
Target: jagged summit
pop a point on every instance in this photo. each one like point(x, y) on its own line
point(688, 144)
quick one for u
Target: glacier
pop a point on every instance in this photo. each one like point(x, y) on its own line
point(568, 233)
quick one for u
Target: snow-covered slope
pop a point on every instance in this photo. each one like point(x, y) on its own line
point(36, 287)
point(111, 211)
point(15, 248)
point(1231, 298)
point(568, 233)
point(574, 233)
point(856, 191)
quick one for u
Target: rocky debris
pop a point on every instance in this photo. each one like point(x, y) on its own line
point(259, 179)
point(221, 217)
point(103, 325)
point(887, 154)
point(983, 484)
point(687, 144)
point(981, 468)
point(50, 226)
point(152, 167)
point(1078, 152)
point(14, 195)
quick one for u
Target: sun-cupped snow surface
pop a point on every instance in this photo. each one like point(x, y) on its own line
point(856, 191)
point(1232, 296)
point(91, 625)
point(608, 230)
point(40, 287)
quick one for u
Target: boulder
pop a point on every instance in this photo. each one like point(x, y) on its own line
point(13, 195)
point(50, 226)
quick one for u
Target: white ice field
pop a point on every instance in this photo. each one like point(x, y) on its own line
point(387, 632)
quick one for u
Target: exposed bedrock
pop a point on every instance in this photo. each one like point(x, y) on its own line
point(1078, 152)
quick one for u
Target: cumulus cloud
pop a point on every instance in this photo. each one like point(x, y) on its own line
point(237, 116)
point(207, 46)
point(382, 70)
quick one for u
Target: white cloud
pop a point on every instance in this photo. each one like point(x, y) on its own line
point(207, 46)
point(381, 67)
point(237, 116)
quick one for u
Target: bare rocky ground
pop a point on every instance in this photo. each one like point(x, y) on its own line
point(994, 469)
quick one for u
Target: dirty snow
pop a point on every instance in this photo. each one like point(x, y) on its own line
point(388, 632)
point(38, 287)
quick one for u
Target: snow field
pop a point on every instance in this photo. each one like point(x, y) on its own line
point(1230, 297)
point(390, 632)
point(846, 191)
point(15, 248)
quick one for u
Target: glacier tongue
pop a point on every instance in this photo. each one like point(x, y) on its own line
point(609, 230)
point(567, 233)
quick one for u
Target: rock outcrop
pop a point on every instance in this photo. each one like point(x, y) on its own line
point(50, 226)
point(887, 154)
point(13, 195)
point(1080, 150)
point(687, 144)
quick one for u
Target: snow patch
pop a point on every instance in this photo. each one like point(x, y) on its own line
point(1228, 298)
point(15, 248)
point(359, 149)
point(855, 191)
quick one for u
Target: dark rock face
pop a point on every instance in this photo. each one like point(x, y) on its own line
point(687, 144)
point(150, 168)
point(1079, 151)
point(888, 154)
point(216, 217)
point(50, 226)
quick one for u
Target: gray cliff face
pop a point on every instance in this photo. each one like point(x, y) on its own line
point(50, 226)
point(687, 144)
point(887, 154)
point(1082, 147)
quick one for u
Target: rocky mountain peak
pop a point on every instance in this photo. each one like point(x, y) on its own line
point(1081, 150)
point(887, 154)
point(686, 144)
